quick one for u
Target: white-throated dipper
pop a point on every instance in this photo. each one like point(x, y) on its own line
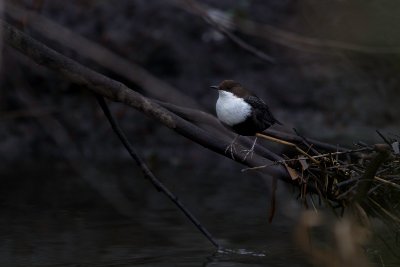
point(242, 111)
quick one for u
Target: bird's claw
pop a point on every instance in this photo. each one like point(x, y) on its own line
point(231, 149)
point(249, 152)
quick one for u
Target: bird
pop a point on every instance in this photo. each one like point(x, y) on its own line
point(242, 111)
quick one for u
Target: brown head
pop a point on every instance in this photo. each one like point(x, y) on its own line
point(233, 87)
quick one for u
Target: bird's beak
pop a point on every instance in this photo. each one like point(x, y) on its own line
point(214, 87)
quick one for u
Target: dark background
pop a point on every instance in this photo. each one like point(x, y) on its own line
point(64, 172)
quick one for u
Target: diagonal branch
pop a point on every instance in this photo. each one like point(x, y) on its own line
point(196, 8)
point(282, 37)
point(118, 92)
point(148, 174)
point(100, 55)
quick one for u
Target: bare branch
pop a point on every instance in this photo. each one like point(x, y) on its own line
point(149, 174)
point(101, 55)
point(289, 39)
point(328, 176)
point(118, 92)
point(196, 8)
point(299, 139)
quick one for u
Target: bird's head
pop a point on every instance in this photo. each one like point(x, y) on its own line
point(232, 87)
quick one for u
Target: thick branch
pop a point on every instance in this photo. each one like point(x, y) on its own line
point(367, 179)
point(206, 120)
point(118, 92)
point(101, 55)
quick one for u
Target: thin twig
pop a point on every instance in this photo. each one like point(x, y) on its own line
point(293, 40)
point(296, 41)
point(148, 173)
point(384, 138)
point(385, 211)
point(387, 182)
point(305, 141)
point(314, 157)
point(294, 138)
point(57, 131)
point(283, 142)
point(198, 9)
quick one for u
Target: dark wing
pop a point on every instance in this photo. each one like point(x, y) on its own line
point(261, 110)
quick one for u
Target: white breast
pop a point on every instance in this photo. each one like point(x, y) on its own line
point(231, 109)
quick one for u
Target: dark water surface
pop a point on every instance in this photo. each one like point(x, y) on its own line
point(57, 241)
point(52, 214)
point(50, 217)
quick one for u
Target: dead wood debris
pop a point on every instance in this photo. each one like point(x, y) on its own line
point(367, 175)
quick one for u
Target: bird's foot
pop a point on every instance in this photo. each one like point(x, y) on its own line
point(231, 150)
point(249, 152)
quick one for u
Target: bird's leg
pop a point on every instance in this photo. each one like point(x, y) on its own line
point(231, 147)
point(251, 150)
